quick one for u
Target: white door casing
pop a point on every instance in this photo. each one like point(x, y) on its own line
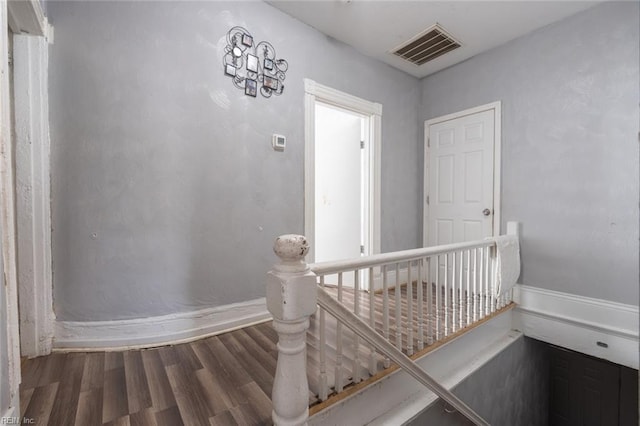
point(31, 37)
point(462, 176)
point(10, 344)
point(33, 189)
point(315, 93)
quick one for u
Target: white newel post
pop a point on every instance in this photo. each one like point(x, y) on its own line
point(291, 299)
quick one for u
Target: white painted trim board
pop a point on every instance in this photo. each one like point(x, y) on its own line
point(27, 17)
point(158, 330)
point(7, 219)
point(33, 190)
point(341, 99)
point(579, 323)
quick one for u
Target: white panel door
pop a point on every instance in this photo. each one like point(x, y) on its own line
point(338, 186)
point(460, 179)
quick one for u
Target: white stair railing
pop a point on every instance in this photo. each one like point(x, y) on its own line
point(361, 328)
point(411, 299)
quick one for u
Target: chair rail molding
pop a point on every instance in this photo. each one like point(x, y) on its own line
point(596, 327)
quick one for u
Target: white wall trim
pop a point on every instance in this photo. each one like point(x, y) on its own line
point(341, 99)
point(579, 323)
point(159, 330)
point(497, 163)
point(27, 17)
point(318, 92)
point(33, 194)
point(7, 219)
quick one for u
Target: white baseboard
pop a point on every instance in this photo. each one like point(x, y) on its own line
point(159, 330)
point(600, 328)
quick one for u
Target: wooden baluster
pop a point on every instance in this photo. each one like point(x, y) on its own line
point(437, 307)
point(461, 292)
point(398, 292)
point(481, 284)
point(468, 295)
point(454, 299)
point(420, 307)
point(323, 392)
point(291, 299)
point(338, 375)
point(409, 310)
point(445, 297)
point(475, 280)
point(494, 271)
point(385, 311)
point(373, 365)
point(488, 296)
point(429, 302)
point(356, 339)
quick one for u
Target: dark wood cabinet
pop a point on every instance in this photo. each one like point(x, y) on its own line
point(586, 391)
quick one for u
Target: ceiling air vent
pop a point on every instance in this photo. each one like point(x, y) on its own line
point(427, 46)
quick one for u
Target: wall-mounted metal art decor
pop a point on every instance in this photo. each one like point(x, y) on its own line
point(253, 67)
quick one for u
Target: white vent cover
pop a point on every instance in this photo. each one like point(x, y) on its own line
point(427, 46)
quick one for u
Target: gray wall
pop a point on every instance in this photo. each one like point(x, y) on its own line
point(569, 97)
point(511, 389)
point(166, 193)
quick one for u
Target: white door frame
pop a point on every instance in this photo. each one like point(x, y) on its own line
point(8, 284)
point(317, 92)
point(33, 203)
point(32, 35)
point(497, 165)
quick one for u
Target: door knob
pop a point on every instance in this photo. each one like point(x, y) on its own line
point(486, 212)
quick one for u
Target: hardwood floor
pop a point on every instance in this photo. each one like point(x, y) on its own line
point(221, 380)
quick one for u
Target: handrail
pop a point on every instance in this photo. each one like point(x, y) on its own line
point(462, 292)
point(363, 330)
point(331, 267)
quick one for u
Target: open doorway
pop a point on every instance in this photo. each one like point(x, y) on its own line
point(342, 176)
point(341, 185)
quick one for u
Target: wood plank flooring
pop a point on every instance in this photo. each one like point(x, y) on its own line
point(220, 380)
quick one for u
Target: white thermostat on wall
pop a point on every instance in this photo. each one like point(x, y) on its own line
point(278, 142)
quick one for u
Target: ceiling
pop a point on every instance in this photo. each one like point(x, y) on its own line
point(377, 27)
